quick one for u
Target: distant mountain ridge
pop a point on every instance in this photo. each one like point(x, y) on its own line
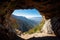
point(36, 19)
point(24, 23)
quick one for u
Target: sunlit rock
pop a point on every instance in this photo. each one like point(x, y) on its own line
point(47, 28)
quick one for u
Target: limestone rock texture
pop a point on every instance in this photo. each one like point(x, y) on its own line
point(48, 8)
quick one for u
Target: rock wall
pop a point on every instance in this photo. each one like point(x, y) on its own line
point(47, 28)
point(55, 22)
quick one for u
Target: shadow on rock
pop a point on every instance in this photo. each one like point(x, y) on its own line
point(6, 35)
point(45, 38)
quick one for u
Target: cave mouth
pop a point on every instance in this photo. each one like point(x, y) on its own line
point(27, 19)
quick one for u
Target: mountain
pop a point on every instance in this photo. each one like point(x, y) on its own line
point(24, 23)
point(36, 19)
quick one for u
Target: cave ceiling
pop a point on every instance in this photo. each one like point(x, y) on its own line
point(46, 7)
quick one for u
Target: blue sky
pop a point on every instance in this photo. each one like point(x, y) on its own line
point(27, 13)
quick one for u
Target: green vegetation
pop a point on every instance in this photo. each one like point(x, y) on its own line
point(15, 25)
point(36, 28)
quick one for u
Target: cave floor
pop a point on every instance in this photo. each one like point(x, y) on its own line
point(35, 35)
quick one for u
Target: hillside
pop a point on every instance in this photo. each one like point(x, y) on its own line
point(24, 23)
point(36, 19)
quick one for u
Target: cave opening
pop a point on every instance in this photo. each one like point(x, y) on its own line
point(50, 9)
point(27, 20)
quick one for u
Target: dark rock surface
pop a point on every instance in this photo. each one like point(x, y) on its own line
point(45, 38)
point(6, 30)
point(6, 35)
